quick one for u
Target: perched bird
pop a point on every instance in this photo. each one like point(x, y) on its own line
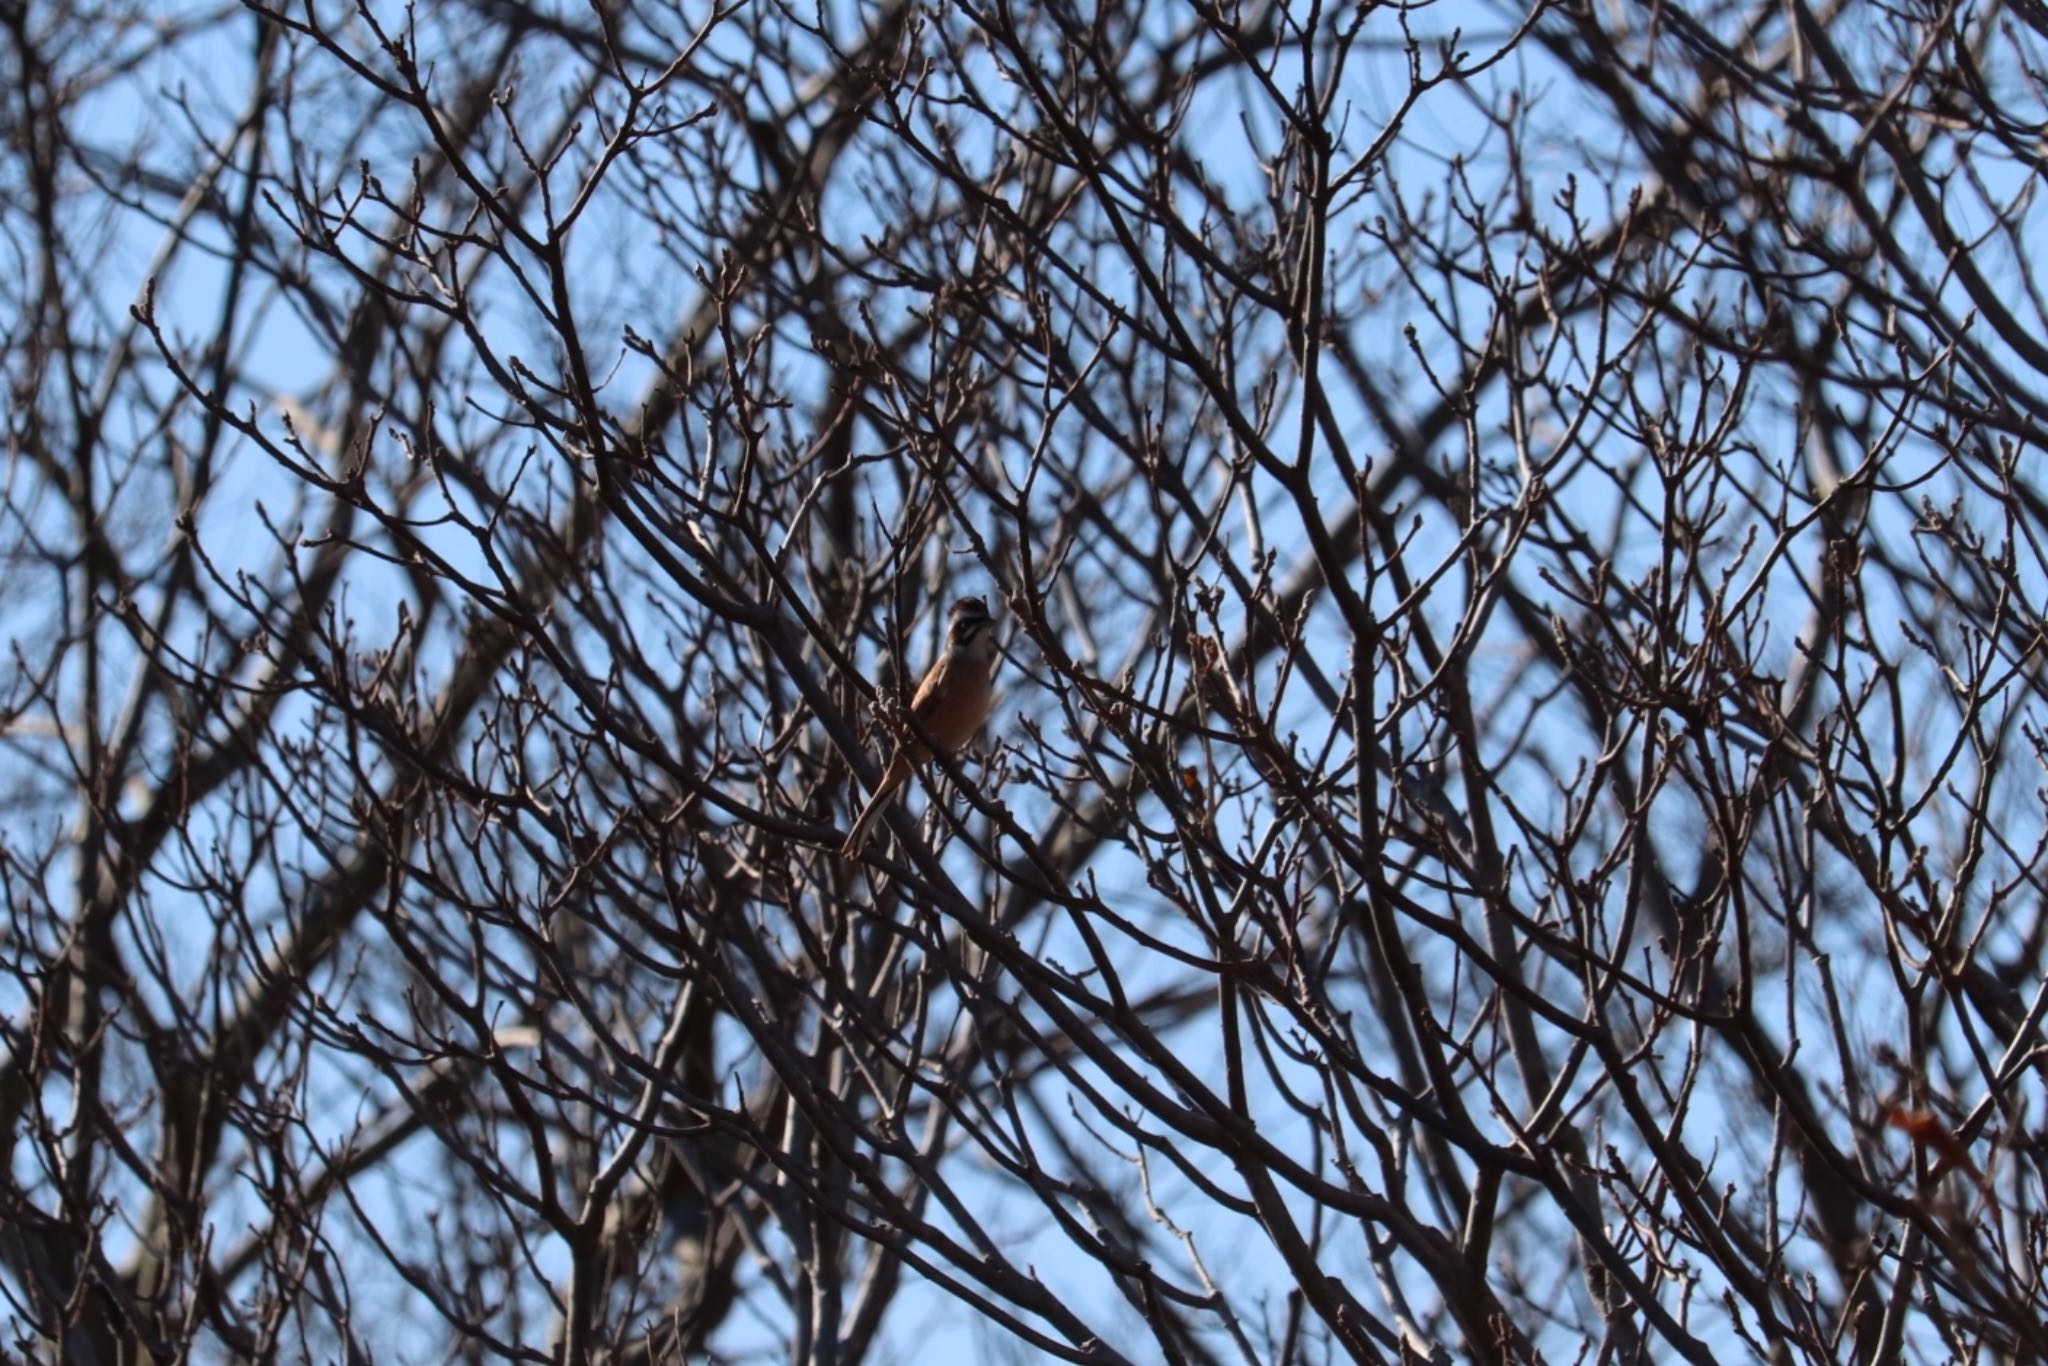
point(950, 704)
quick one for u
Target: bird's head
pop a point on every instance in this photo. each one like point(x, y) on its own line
point(969, 625)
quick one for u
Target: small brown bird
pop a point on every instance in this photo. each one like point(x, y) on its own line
point(951, 703)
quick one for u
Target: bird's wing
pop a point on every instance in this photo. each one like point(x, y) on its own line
point(926, 697)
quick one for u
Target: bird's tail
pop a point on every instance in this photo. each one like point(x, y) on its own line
point(878, 802)
point(864, 822)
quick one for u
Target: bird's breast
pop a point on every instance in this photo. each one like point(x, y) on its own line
point(966, 696)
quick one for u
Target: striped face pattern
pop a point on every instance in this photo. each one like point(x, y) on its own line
point(968, 621)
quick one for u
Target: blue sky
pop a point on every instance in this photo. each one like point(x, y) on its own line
point(626, 281)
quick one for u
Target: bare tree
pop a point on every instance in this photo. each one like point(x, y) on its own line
point(1513, 823)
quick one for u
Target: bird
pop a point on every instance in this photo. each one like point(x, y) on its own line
point(950, 704)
